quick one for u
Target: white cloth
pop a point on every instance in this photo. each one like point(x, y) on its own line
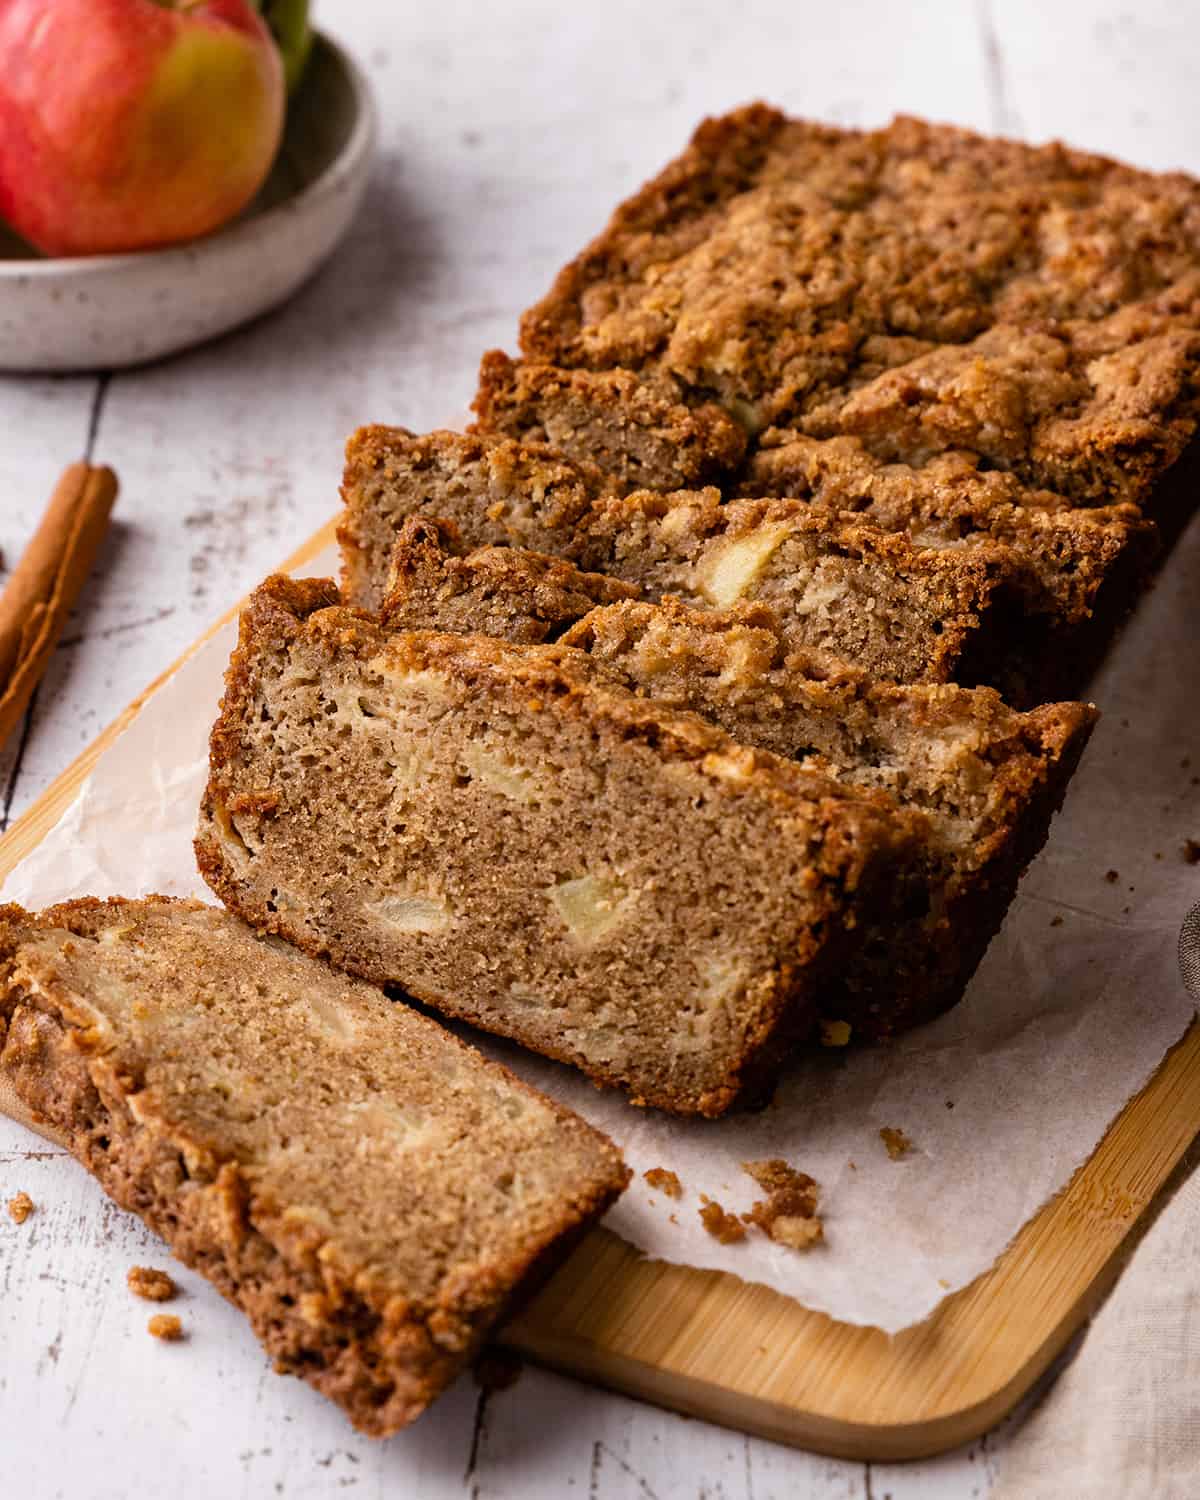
point(1122, 1422)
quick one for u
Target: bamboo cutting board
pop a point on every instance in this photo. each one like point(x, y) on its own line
point(712, 1346)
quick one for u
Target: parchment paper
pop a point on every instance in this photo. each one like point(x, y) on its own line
point(1074, 1006)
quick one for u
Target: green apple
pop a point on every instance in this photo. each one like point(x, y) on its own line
point(292, 30)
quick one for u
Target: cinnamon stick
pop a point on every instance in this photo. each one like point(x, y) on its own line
point(46, 582)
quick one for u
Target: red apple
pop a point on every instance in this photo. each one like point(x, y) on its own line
point(126, 124)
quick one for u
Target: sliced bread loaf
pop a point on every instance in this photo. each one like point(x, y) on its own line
point(366, 1188)
point(517, 839)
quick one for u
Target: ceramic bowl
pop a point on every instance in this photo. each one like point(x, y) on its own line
point(104, 312)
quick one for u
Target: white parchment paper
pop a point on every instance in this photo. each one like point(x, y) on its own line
point(1074, 1006)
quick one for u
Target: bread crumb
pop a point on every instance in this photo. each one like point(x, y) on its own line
point(665, 1181)
point(796, 1233)
point(897, 1143)
point(1056, 921)
point(1191, 851)
point(722, 1226)
point(165, 1326)
point(789, 1214)
point(1112, 876)
point(20, 1207)
point(835, 1033)
point(496, 1370)
point(154, 1286)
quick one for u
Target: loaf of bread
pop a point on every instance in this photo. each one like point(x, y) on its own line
point(366, 1188)
point(517, 839)
point(989, 779)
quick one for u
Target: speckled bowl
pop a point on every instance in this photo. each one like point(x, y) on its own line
point(104, 312)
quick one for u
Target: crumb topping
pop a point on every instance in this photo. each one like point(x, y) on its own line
point(165, 1326)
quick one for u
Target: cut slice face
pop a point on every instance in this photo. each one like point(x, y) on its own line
point(366, 1188)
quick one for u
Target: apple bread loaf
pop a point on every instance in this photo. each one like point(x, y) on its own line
point(988, 779)
point(366, 1188)
point(520, 841)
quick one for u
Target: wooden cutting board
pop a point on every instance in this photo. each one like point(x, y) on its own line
point(710, 1345)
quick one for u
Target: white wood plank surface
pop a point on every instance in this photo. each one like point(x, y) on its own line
point(508, 133)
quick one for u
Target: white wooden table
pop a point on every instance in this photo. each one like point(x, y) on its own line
point(508, 133)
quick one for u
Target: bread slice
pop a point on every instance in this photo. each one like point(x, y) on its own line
point(519, 841)
point(508, 592)
point(639, 433)
point(366, 1188)
point(988, 779)
point(910, 613)
point(496, 491)
point(1075, 571)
